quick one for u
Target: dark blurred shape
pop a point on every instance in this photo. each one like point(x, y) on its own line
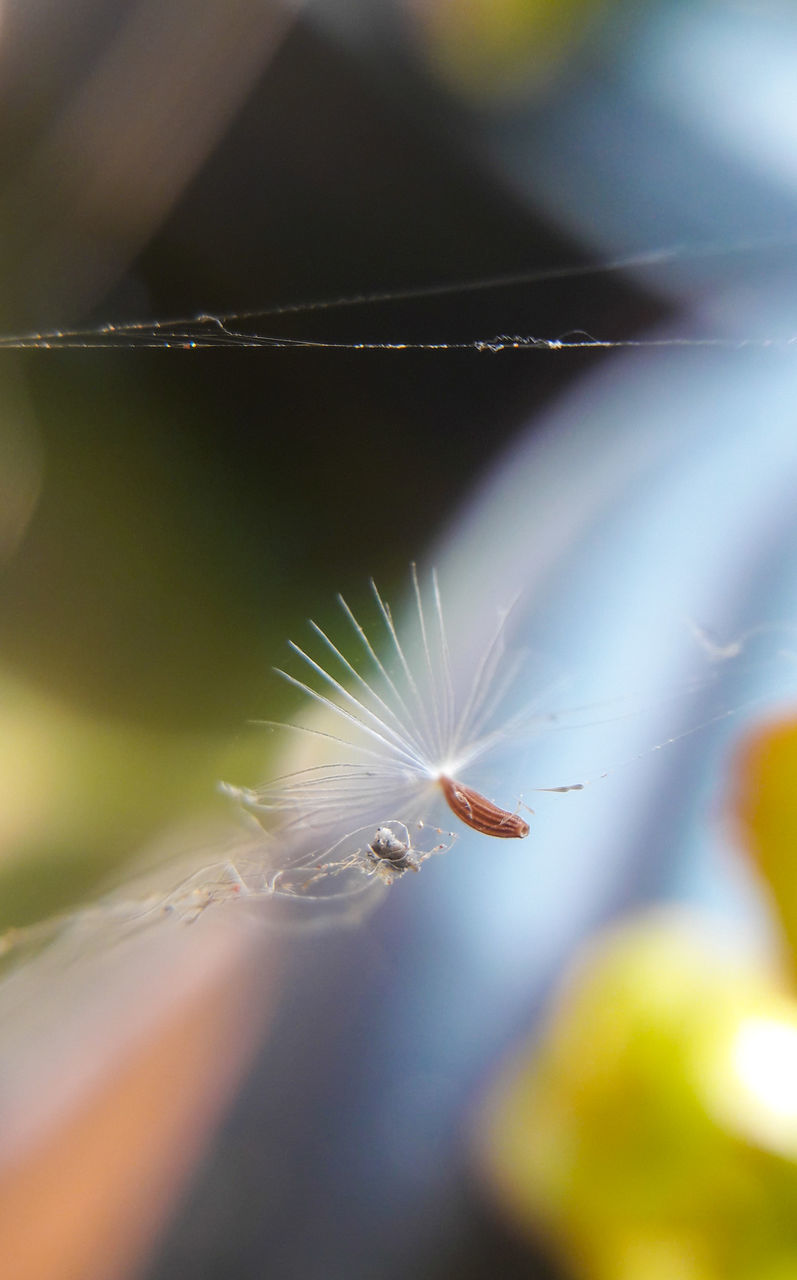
point(122, 143)
point(195, 503)
point(21, 463)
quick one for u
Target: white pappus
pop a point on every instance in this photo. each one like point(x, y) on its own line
point(395, 737)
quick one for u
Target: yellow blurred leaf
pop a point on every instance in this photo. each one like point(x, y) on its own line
point(652, 1130)
point(765, 801)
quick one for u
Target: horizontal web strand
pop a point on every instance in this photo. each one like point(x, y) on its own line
point(207, 329)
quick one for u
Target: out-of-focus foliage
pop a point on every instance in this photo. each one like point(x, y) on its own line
point(77, 793)
point(766, 805)
point(652, 1130)
point(501, 48)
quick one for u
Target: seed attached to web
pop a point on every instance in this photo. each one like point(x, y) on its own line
point(481, 814)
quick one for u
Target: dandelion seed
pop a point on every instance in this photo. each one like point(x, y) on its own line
point(397, 740)
point(401, 738)
point(481, 814)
